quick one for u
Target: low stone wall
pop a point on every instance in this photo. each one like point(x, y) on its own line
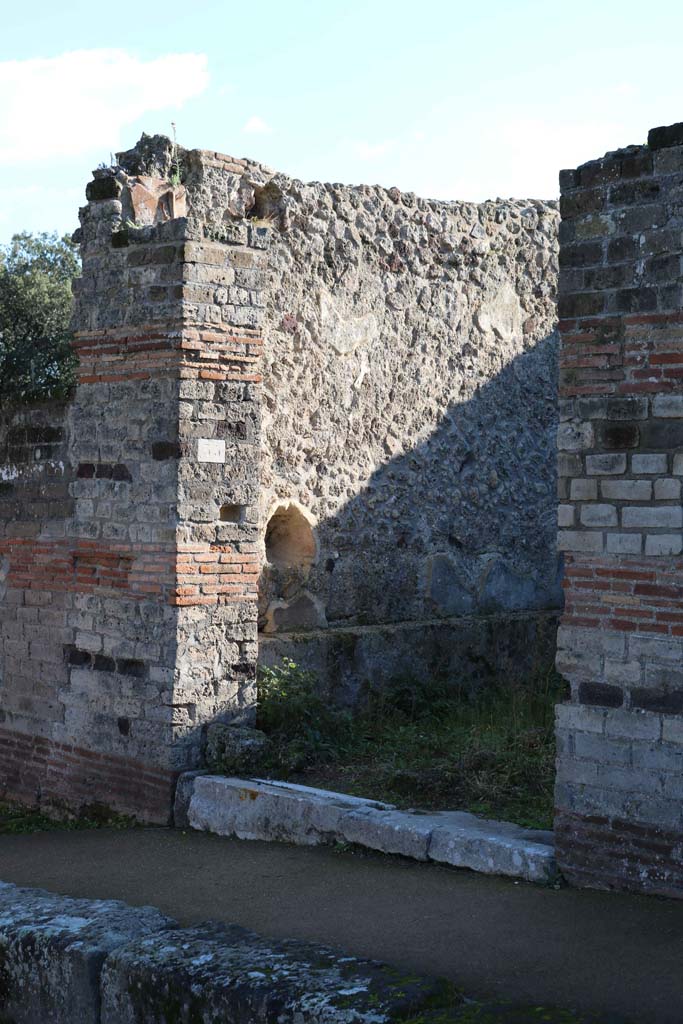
point(471, 651)
point(101, 962)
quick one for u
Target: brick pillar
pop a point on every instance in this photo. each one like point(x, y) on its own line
point(157, 557)
point(619, 819)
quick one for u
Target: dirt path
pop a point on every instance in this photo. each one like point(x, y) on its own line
point(495, 938)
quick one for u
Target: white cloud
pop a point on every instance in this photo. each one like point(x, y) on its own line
point(256, 126)
point(80, 101)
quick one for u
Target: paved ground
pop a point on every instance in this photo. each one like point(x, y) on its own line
point(496, 938)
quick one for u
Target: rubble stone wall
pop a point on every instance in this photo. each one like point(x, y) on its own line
point(619, 785)
point(392, 487)
point(410, 414)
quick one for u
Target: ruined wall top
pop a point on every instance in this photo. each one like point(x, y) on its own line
point(156, 182)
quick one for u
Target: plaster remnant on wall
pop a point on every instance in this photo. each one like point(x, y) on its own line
point(342, 328)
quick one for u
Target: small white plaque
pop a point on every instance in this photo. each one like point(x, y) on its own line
point(209, 450)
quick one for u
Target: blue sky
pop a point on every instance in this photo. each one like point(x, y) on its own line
point(451, 100)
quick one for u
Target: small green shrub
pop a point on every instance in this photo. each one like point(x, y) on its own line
point(302, 725)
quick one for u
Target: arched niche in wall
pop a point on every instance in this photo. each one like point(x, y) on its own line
point(290, 541)
point(291, 548)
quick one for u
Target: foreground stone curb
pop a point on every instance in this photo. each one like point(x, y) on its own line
point(77, 961)
point(64, 961)
point(52, 949)
point(263, 809)
point(224, 973)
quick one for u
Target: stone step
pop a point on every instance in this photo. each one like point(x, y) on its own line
point(270, 810)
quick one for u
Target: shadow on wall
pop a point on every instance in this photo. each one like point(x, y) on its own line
point(443, 562)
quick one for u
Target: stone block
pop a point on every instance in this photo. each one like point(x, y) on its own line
point(663, 434)
point(52, 950)
point(258, 809)
point(600, 694)
point(608, 464)
point(565, 515)
point(633, 725)
point(665, 651)
point(579, 718)
point(626, 490)
point(622, 673)
point(664, 544)
point(672, 730)
point(601, 749)
point(670, 406)
point(599, 515)
point(660, 699)
point(624, 543)
point(572, 638)
point(617, 435)
point(569, 464)
point(578, 664)
point(667, 490)
point(584, 490)
point(627, 407)
point(665, 136)
point(230, 747)
point(578, 540)
point(649, 463)
point(492, 847)
point(183, 795)
point(662, 516)
point(574, 436)
point(569, 770)
point(215, 972)
point(630, 780)
point(397, 832)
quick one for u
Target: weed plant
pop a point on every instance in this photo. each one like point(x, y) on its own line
point(426, 744)
point(18, 820)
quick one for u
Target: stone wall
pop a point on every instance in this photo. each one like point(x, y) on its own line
point(397, 501)
point(619, 786)
point(409, 417)
point(147, 582)
point(103, 962)
point(35, 507)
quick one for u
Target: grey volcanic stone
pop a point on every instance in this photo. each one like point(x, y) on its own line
point(52, 949)
point(390, 831)
point(262, 809)
point(258, 809)
point(232, 747)
point(216, 973)
point(183, 795)
point(492, 847)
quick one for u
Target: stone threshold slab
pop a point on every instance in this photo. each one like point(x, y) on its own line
point(270, 810)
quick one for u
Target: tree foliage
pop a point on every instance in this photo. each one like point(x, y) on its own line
point(36, 359)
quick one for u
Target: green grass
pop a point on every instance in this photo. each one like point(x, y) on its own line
point(18, 820)
point(429, 745)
